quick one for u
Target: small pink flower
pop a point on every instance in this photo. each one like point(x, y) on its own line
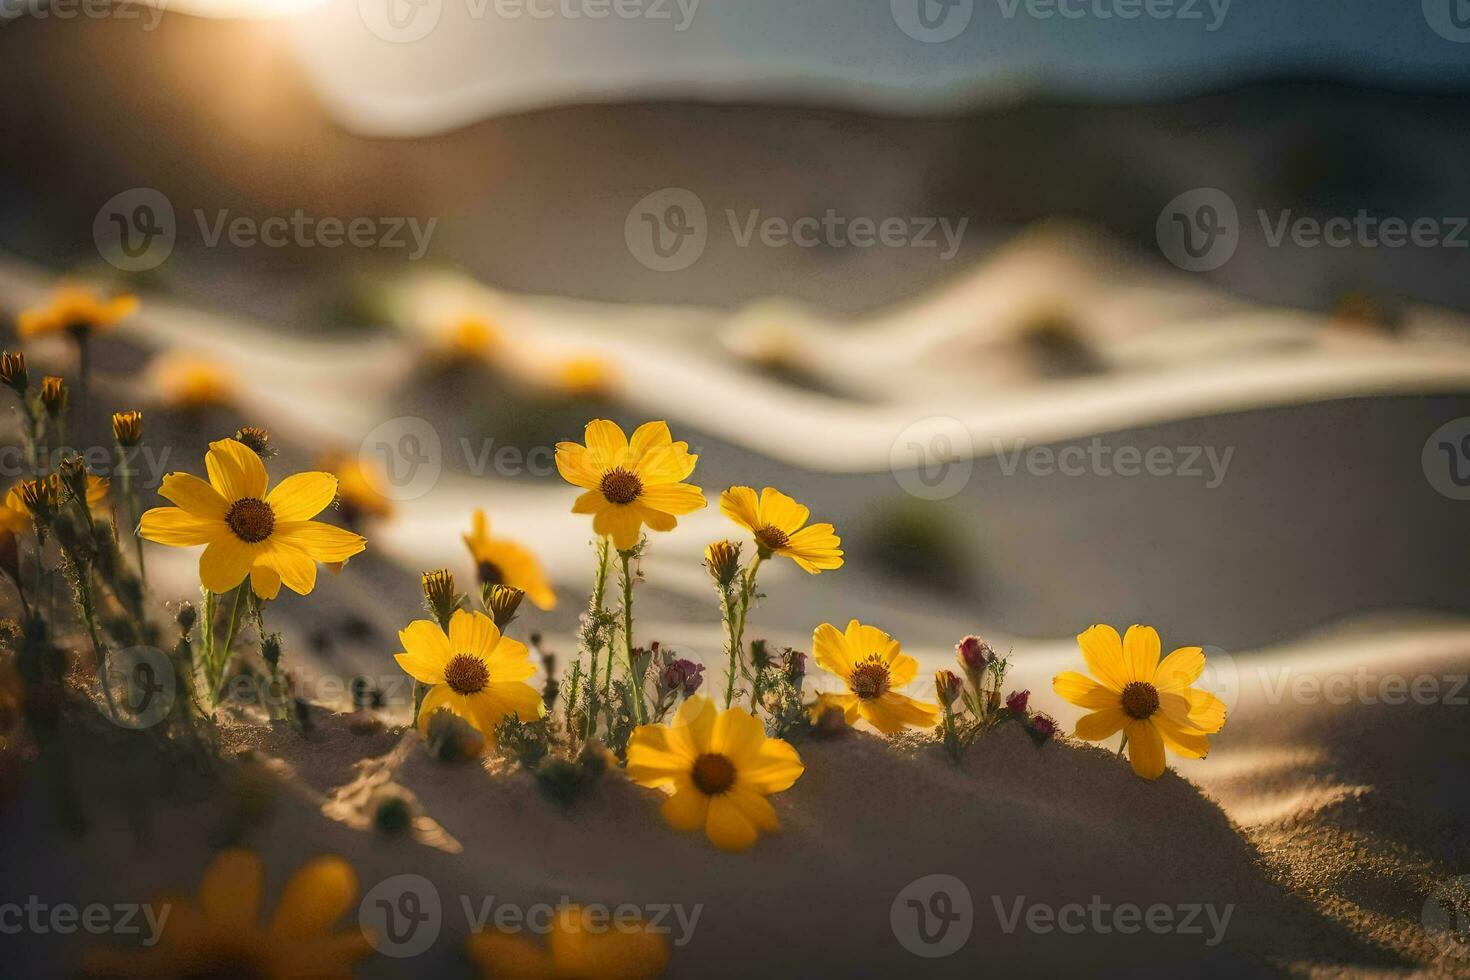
point(974, 653)
point(1017, 701)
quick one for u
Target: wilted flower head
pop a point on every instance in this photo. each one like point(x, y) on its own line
point(53, 395)
point(257, 440)
point(974, 653)
point(440, 593)
point(722, 558)
point(13, 370)
point(947, 686)
point(127, 428)
point(1043, 726)
point(682, 675)
point(1017, 701)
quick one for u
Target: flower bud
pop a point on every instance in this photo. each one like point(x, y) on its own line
point(257, 440)
point(1017, 700)
point(127, 428)
point(722, 558)
point(73, 475)
point(53, 395)
point(39, 496)
point(682, 675)
point(440, 594)
point(501, 602)
point(13, 371)
point(974, 654)
point(1043, 727)
point(186, 617)
point(947, 686)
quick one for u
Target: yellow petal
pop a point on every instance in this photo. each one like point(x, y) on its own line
point(830, 649)
point(473, 633)
point(1101, 724)
point(1103, 650)
point(738, 736)
point(673, 498)
point(774, 769)
point(727, 826)
point(235, 470)
point(656, 758)
point(500, 699)
point(225, 563)
point(179, 528)
point(509, 660)
point(1186, 741)
point(815, 548)
point(902, 669)
point(590, 502)
point(296, 568)
point(620, 522)
point(1180, 669)
point(302, 496)
point(687, 809)
point(1194, 708)
point(650, 436)
point(740, 505)
point(229, 893)
point(321, 542)
point(1141, 653)
point(318, 894)
point(694, 722)
point(781, 511)
point(1084, 692)
point(606, 444)
point(575, 467)
point(194, 495)
point(864, 641)
point(423, 640)
point(265, 581)
point(756, 808)
point(503, 955)
point(1145, 749)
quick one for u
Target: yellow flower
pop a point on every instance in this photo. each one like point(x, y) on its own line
point(579, 948)
point(358, 492)
point(473, 671)
point(583, 376)
point(777, 523)
point(471, 337)
point(189, 382)
point(872, 666)
point(630, 484)
point(502, 562)
point(718, 767)
point(16, 517)
point(220, 934)
point(269, 536)
point(74, 309)
point(1150, 702)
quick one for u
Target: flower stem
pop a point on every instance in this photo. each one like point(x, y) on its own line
point(1122, 743)
point(634, 681)
point(594, 636)
point(237, 611)
point(736, 622)
point(134, 509)
point(84, 370)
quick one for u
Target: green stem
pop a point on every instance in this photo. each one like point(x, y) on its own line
point(737, 628)
point(596, 614)
point(237, 612)
point(134, 510)
point(732, 650)
point(635, 682)
point(1122, 743)
point(206, 637)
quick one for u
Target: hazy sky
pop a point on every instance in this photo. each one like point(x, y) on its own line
point(422, 65)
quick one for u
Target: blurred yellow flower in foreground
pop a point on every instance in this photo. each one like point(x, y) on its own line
point(74, 309)
point(630, 484)
point(1149, 701)
point(583, 376)
point(581, 947)
point(269, 536)
point(471, 337)
point(502, 562)
point(189, 382)
point(473, 670)
point(872, 665)
point(219, 934)
point(777, 522)
point(718, 767)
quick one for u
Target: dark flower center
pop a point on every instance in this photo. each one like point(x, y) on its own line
point(713, 774)
point(490, 573)
point(466, 674)
point(772, 538)
point(252, 520)
point(621, 487)
point(869, 678)
point(1140, 700)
